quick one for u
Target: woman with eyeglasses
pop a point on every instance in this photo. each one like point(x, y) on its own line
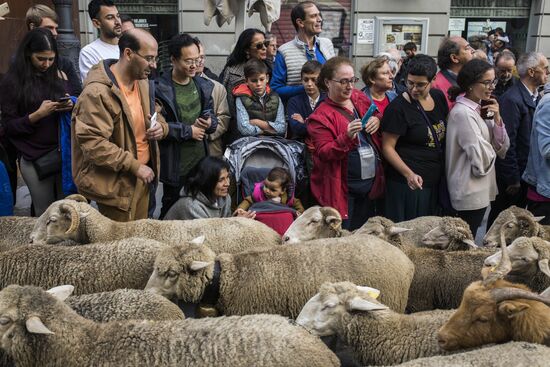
point(33, 94)
point(344, 149)
point(475, 137)
point(413, 133)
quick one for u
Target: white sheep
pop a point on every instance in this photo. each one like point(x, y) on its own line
point(377, 335)
point(515, 222)
point(80, 222)
point(281, 279)
point(315, 223)
point(15, 231)
point(36, 328)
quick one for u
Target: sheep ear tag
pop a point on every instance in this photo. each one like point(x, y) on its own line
point(36, 326)
point(62, 292)
point(543, 266)
point(361, 304)
point(197, 241)
point(470, 243)
point(372, 292)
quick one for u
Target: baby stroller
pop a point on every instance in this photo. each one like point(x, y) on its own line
point(251, 159)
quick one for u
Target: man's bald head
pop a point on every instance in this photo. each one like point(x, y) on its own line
point(135, 39)
point(138, 52)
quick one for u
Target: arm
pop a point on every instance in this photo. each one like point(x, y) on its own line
point(389, 141)
point(278, 79)
point(221, 109)
point(279, 125)
point(499, 139)
point(298, 206)
point(85, 63)
point(543, 129)
point(93, 127)
point(176, 131)
point(17, 125)
point(243, 121)
point(214, 119)
point(298, 127)
point(327, 147)
point(246, 203)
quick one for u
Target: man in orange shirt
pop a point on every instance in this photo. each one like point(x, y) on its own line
point(114, 148)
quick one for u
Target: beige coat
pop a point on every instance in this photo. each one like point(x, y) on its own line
point(221, 109)
point(104, 150)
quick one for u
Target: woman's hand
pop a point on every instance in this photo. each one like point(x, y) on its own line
point(298, 117)
point(372, 126)
point(353, 128)
point(46, 108)
point(65, 106)
point(494, 107)
point(414, 181)
point(244, 213)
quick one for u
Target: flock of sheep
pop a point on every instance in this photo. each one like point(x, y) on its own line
point(415, 293)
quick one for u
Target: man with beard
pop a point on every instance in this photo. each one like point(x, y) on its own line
point(306, 19)
point(505, 63)
point(106, 18)
point(115, 153)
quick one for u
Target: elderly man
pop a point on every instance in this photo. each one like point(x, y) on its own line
point(453, 53)
point(517, 108)
point(505, 63)
point(291, 56)
point(115, 153)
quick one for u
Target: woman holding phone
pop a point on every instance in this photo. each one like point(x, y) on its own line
point(33, 93)
point(413, 132)
point(344, 153)
point(475, 137)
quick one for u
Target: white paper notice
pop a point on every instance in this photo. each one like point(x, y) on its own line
point(365, 31)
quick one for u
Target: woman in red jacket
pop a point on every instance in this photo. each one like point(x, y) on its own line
point(345, 154)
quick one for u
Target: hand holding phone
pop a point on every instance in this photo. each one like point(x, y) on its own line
point(485, 113)
point(153, 120)
point(368, 115)
point(63, 99)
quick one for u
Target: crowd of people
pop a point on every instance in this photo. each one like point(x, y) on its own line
point(423, 137)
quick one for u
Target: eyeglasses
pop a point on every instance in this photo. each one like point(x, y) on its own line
point(150, 59)
point(489, 83)
point(260, 45)
point(419, 86)
point(545, 70)
point(344, 82)
point(196, 62)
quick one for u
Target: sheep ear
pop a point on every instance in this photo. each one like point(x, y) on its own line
point(197, 241)
point(396, 230)
point(199, 265)
point(372, 292)
point(361, 304)
point(470, 243)
point(538, 219)
point(62, 292)
point(543, 266)
point(333, 221)
point(511, 309)
point(36, 326)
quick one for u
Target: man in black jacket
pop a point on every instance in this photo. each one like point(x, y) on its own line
point(186, 101)
point(517, 107)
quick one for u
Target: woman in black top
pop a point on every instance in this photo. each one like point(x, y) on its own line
point(29, 95)
point(415, 158)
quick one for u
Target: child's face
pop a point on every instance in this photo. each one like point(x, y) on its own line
point(257, 83)
point(309, 81)
point(273, 189)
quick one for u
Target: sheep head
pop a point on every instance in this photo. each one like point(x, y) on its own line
point(516, 222)
point(382, 228)
point(452, 234)
point(183, 271)
point(321, 315)
point(314, 223)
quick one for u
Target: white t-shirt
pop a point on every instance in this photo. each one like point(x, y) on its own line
point(93, 53)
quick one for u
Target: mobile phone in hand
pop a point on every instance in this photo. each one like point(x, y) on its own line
point(486, 114)
point(63, 99)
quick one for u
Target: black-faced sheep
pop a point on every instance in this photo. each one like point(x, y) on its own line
point(38, 329)
point(69, 219)
point(440, 277)
point(280, 280)
point(516, 222)
point(377, 335)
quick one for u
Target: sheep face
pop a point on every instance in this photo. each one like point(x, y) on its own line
point(322, 314)
point(516, 221)
point(382, 228)
point(450, 230)
point(525, 257)
point(58, 223)
point(436, 239)
point(481, 319)
point(182, 272)
point(316, 222)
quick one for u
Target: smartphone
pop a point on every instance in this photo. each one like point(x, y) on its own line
point(154, 119)
point(486, 114)
point(4, 9)
point(63, 99)
point(368, 115)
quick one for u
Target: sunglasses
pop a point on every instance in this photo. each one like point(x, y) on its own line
point(260, 45)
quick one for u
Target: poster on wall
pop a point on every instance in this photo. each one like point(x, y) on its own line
point(396, 32)
point(365, 31)
point(475, 28)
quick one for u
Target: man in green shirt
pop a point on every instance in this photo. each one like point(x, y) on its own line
point(186, 101)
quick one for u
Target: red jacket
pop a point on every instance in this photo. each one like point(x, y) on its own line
point(327, 130)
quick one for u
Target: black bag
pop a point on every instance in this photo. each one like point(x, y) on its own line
point(48, 165)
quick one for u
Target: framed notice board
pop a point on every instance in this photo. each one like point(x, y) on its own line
point(396, 32)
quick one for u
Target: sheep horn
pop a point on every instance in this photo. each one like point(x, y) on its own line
point(510, 293)
point(504, 266)
point(77, 197)
point(75, 217)
point(36, 326)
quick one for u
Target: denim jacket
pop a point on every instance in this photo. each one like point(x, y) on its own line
point(537, 172)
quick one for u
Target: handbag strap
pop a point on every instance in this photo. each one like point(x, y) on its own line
point(427, 120)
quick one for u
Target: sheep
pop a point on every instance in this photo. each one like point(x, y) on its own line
point(92, 268)
point(452, 234)
point(529, 257)
point(496, 311)
point(517, 354)
point(68, 219)
point(314, 223)
point(377, 335)
point(36, 328)
point(281, 279)
point(15, 231)
point(440, 277)
point(519, 223)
